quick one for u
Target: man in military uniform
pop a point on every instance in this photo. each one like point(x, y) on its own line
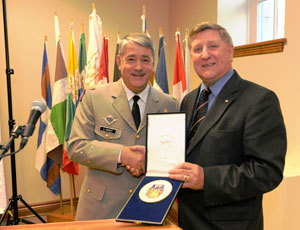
point(106, 138)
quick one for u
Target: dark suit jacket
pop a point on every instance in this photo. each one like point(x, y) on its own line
point(241, 145)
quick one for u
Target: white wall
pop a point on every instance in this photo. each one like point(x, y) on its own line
point(233, 15)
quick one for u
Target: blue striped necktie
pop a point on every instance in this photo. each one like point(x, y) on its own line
point(200, 113)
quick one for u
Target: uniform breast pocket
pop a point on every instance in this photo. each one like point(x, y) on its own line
point(108, 133)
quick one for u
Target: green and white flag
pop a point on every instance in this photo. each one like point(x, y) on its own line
point(81, 63)
point(57, 124)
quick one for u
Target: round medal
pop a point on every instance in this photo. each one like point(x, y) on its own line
point(155, 191)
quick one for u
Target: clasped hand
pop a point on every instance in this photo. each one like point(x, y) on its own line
point(133, 158)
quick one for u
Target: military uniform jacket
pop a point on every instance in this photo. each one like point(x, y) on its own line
point(103, 124)
point(241, 145)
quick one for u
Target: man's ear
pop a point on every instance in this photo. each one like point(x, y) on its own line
point(118, 61)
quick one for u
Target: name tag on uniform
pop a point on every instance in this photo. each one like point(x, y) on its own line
point(109, 130)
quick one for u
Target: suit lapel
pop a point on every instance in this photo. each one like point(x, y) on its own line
point(187, 106)
point(121, 104)
point(221, 104)
point(152, 106)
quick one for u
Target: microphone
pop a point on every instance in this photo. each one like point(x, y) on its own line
point(37, 108)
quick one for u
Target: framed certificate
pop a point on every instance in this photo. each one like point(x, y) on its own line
point(165, 148)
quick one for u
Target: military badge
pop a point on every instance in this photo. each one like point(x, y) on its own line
point(109, 119)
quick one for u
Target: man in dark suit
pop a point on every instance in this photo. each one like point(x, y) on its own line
point(237, 153)
point(106, 138)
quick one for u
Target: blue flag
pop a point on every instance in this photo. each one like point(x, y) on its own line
point(48, 168)
point(161, 78)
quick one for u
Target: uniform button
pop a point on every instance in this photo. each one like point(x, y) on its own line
point(138, 136)
point(130, 191)
point(88, 190)
point(106, 135)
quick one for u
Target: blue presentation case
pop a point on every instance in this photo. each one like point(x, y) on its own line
point(165, 148)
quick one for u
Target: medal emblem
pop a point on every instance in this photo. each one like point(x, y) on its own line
point(155, 191)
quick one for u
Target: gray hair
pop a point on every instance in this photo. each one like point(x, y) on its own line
point(225, 36)
point(139, 38)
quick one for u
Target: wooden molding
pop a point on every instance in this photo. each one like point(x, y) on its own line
point(266, 47)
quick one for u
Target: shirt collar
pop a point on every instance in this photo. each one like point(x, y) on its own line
point(143, 95)
point(218, 86)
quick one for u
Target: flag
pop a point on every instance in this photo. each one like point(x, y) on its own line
point(81, 63)
point(94, 49)
point(145, 31)
point(73, 76)
point(179, 82)
point(161, 77)
point(48, 168)
point(57, 124)
point(103, 69)
point(3, 197)
point(186, 54)
point(117, 73)
point(143, 18)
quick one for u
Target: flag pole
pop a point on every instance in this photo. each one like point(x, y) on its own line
point(74, 190)
point(144, 29)
point(160, 32)
point(144, 10)
point(71, 194)
point(61, 200)
point(118, 36)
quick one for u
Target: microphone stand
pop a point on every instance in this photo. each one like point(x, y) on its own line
point(18, 130)
point(12, 206)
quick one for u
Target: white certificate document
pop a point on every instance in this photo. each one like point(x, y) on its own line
point(165, 142)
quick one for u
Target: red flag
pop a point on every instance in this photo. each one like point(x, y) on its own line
point(179, 82)
point(103, 69)
point(68, 165)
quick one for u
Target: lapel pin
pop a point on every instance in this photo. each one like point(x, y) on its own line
point(226, 101)
point(109, 119)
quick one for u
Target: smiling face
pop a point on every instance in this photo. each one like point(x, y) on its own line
point(212, 57)
point(136, 65)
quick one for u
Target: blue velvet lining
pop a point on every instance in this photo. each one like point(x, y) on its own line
point(137, 210)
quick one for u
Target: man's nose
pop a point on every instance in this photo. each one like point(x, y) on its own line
point(205, 53)
point(138, 65)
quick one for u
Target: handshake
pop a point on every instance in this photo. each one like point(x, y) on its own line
point(133, 158)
